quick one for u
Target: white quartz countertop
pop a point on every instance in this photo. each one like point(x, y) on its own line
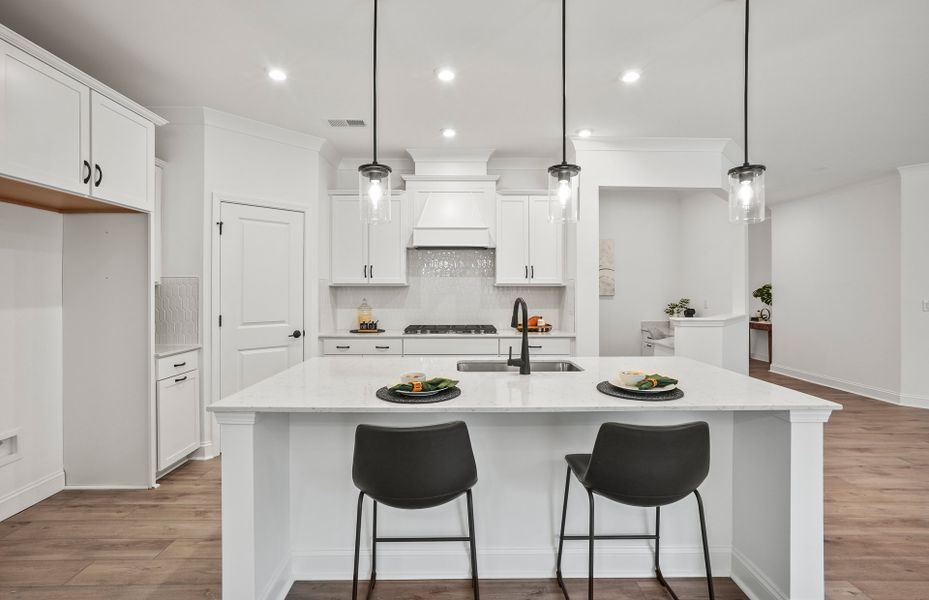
point(398, 333)
point(163, 350)
point(343, 384)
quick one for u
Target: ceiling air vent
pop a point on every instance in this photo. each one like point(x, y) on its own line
point(346, 123)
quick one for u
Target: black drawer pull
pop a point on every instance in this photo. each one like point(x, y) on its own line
point(382, 347)
point(87, 176)
point(180, 379)
point(342, 347)
point(180, 364)
point(532, 272)
point(536, 347)
point(99, 179)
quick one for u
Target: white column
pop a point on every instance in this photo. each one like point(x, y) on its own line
point(256, 504)
point(807, 571)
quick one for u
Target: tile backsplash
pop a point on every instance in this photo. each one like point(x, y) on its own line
point(445, 286)
point(177, 310)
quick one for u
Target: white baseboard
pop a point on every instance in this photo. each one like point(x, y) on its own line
point(914, 400)
point(844, 385)
point(752, 581)
point(757, 356)
point(100, 487)
point(206, 451)
point(26, 496)
point(280, 582)
point(507, 563)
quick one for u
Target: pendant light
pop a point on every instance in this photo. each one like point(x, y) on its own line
point(746, 182)
point(563, 178)
point(373, 177)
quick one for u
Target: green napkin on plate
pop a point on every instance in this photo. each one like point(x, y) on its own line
point(429, 385)
point(655, 381)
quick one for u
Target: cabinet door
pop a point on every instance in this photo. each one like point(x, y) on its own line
point(44, 123)
point(512, 240)
point(347, 242)
point(546, 245)
point(178, 406)
point(123, 152)
point(387, 250)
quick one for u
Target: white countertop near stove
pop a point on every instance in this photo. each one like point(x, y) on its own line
point(398, 333)
point(347, 384)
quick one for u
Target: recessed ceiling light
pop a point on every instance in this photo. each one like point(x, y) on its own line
point(277, 74)
point(445, 74)
point(631, 76)
point(584, 133)
point(449, 132)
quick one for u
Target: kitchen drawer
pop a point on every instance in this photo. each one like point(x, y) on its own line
point(169, 366)
point(450, 346)
point(357, 346)
point(541, 346)
point(178, 408)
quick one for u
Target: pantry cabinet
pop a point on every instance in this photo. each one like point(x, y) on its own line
point(178, 408)
point(530, 248)
point(365, 254)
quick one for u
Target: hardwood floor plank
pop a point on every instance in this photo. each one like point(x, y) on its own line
point(148, 572)
point(193, 549)
point(39, 573)
point(142, 530)
point(122, 592)
point(80, 549)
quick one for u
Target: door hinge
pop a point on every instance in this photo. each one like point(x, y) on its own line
point(220, 320)
point(220, 223)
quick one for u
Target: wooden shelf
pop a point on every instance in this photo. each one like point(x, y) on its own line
point(15, 191)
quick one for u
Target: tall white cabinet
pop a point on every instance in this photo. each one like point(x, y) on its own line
point(530, 248)
point(366, 254)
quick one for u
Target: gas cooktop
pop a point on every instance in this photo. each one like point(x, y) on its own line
point(446, 329)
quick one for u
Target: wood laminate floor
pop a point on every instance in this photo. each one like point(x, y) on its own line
point(165, 544)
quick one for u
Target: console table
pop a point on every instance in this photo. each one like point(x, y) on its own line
point(761, 326)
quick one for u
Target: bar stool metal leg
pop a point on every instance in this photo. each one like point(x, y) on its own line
point(361, 497)
point(564, 515)
point(373, 581)
point(477, 591)
point(590, 551)
point(658, 573)
point(706, 547)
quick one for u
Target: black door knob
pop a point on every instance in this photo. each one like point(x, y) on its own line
point(297, 333)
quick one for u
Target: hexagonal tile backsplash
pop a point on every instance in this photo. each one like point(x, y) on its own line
point(177, 310)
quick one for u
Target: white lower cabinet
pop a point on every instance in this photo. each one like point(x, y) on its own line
point(178, 415)
point(355, 347)
point(450, 346)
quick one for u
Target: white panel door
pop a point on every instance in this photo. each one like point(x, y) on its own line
point(123, 152)
point(386, 250)
point(178, 407)
point(546, 245)
point(348, 242)
point(44, 123)
point(512, 240)
point(261, 287)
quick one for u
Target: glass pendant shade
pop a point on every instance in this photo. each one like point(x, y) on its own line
point(746, 194)
point(374, 193)
point(563, 192)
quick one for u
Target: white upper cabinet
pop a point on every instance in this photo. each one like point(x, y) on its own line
point(530, 248)
point(362, 254)
point(123, 151)
point(61, 129)
point(44, 123)
point(157, 222)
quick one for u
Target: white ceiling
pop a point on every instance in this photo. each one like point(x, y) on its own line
point(839, 87)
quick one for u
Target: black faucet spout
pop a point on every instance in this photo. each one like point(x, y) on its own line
point(523, 361)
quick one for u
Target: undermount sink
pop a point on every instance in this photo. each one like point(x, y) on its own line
point(500, 366)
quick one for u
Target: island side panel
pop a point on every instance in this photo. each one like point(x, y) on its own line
point(807, 548)
point(521, 467)
point(256, 512)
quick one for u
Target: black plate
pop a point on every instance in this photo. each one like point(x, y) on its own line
point(605, 387)
point(385, 394)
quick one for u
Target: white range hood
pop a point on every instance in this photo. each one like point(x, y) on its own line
point(453, 199)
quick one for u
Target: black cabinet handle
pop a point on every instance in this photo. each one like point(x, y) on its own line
point(371, 270)
point(382, 347)
point(342, 347)
point(532, 272)
point(87, 170)
point(526, 276)
point(366, 271)
point(179, 379)
point(296, 334)
point(180, 364)
point(536, 347)
point(99, 178)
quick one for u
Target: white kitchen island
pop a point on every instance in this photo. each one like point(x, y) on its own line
point(289, 501)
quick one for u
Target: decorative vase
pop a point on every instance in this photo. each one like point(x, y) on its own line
point(690, 312)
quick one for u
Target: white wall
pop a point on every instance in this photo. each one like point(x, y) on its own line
point(759, 273)
point(914, 288)
point(645, 228)
point(707, 259)
point(836, 272)
point(30, 354)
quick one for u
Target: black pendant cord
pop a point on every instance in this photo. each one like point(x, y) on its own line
point(564, 93)
point(745, 89)
point(374, 88)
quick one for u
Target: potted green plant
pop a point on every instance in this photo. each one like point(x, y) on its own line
point(679, 308)
point(764, 294)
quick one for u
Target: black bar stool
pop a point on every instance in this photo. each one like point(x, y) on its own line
point(413, 467)
point(640, 466)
